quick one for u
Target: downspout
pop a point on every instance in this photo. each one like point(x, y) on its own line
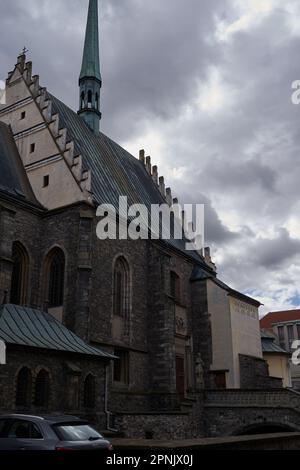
point(107, 412)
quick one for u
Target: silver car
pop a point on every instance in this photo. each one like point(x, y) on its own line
point(27, 432)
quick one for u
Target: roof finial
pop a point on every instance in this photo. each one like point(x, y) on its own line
point(90, 80)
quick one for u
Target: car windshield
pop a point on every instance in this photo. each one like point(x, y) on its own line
point(76, 432)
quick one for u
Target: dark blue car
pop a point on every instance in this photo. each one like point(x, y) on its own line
point(26, 432)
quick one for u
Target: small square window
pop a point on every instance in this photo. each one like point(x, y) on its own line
point(46, 181)
point(32, 148)
point(23, 115)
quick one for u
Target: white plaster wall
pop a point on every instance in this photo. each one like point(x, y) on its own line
point(62, 190)
point(218, 308)
point(246, 337)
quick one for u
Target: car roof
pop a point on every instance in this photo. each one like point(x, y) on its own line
point(49, 418)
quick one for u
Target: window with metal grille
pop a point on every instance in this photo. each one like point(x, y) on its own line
point(121, 288)
point(42, 389)
point(23, 388)
point(89, 395)
point(121, 366)
point(19, 274)
point(56, 278)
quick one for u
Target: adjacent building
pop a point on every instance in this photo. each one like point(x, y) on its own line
point(285, 325)
point(277, 358)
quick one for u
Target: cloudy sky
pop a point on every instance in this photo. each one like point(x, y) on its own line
point(205, 87)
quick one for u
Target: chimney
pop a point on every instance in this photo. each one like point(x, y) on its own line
point(208, 260)
point(148, 165)
point(142, 156)
point(155, 174)
point(207, 253)
point(162, 186)
point(169, 196)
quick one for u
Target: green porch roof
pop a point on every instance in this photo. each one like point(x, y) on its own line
point(26, 326)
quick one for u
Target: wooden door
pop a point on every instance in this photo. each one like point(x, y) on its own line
point(220, 379)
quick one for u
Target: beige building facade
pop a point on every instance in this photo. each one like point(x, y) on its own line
point(235, 331)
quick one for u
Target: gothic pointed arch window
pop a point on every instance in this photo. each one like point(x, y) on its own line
point(42, 389)
point(121, 304)
point(19, 278)
point(97, 101)
point(90, 99)
point(23, 388)
point(89, 392)
point(56, 277)
point(82, 100)
point(175, 286)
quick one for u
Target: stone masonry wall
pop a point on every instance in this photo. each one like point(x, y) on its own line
point(58, 365)
point(254, 373)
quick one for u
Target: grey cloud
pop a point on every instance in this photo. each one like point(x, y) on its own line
point(216, 233)
point(243, 159)
point(274, 253)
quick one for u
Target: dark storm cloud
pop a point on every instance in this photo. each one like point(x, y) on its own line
point(218, 111)
point(276, 252)
point(216, 233)
point(235, 176)
point(151, 52)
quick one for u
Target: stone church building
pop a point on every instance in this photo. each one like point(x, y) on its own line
point(128, 333)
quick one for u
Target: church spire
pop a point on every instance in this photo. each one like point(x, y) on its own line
point(90, 80)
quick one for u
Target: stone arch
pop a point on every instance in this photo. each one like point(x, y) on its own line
point(23, 388)
point(89, 391)
point(54, 277)
point(90, 99)
point(20, 274)
point(82, 100)
point(121, 287)
point(42, 388)
point(175, 285)
point(265, 427)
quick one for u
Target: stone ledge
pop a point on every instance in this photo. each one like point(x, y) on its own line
point(211, 442)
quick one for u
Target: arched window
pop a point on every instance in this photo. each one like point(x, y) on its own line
point(82, 100)
point(90, 98)
point(56, 277)
point(42, 389)
point(97, 101)
point(89, 393)
point(23, 388)
point(175, 286)
point(121, 288)
point(19, 278)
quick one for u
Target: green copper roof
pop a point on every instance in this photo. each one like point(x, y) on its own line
point(26, 326)
point(91, 61)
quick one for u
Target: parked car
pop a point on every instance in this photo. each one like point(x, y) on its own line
point(26, 432)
